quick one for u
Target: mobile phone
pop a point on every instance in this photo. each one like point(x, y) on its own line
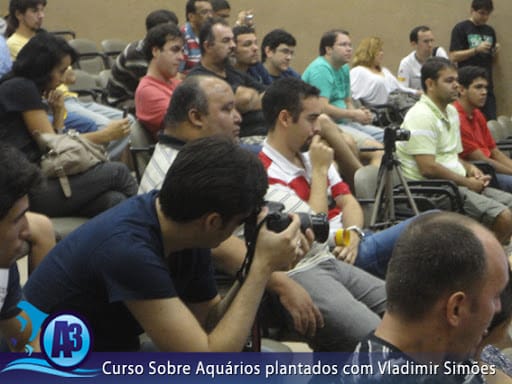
point(125, 112)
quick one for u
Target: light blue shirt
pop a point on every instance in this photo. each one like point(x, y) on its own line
point(5, 57)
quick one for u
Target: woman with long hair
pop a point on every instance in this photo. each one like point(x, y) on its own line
point(370, 82)
point(26, 93)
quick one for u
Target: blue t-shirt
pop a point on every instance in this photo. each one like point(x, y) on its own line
point(116, 257)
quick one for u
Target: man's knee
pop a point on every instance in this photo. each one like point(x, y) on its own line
point(502, 226)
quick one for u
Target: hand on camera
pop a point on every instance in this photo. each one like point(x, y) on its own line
point(280, 251)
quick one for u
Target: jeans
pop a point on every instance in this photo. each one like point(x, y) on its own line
point(375, 248)
point(505, 182)
point(93, 192)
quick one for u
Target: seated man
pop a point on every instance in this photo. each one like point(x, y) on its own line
point(443, 284)
point(277, 50)
point(217, 46)
point(435, 143)
point(297, 302)
point(299, 161)
point(477, 141)
point(197, 12)
point(409, 70)
point(330, 73)
point(154, 274)
point(131, 64)
point(163, 47)
point(18, 178)
point(246, 54)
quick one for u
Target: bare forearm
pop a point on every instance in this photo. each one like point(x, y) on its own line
point(232, 330)
point(437, 171)
point(465, 54)
point(318, 193)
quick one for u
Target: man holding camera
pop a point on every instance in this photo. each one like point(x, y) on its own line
point(432, 152)
point(145, 265)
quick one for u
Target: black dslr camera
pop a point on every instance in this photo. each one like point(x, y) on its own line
point(278, 221)
point(392, 134)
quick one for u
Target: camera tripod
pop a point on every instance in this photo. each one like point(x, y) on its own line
point(384, 208)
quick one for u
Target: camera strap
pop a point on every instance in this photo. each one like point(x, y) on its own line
point(251, 231)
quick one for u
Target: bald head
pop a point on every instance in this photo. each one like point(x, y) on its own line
point(202, 106)
point(438, 253)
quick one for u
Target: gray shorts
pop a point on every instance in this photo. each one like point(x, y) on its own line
point(485, 207)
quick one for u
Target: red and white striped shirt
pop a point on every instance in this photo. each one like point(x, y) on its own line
point(280, 171)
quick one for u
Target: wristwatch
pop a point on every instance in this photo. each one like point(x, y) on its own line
point(357, 230)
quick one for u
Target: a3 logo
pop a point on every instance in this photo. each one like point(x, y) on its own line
point(65, 340)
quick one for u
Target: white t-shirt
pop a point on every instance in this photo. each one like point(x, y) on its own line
point(409, 70)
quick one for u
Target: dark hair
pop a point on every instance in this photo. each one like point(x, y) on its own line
point(190, 7)
point(413, 36)
point(486, 5)
point(329, 38)
point(286, 93)
point(242, 30)
point(213, 174)
point(217, 5)
point(39, 57)
point(159, 17)
point(274, 38)
point(431, 69)
point(506, 305)
point(438, 253)
point(18, 177)
point(158, 36)
point(188, 95)
point(19, 6)
point(469, 73)
point(206, 33)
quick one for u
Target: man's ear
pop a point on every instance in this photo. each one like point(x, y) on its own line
point(268, 51)
point(155, 51)
point(429, 83)
point(457, 308)
point(194, 117)
point(212, 221)
point(284, 118)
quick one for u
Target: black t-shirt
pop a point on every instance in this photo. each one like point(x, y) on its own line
point(116, 257)
point(18, 95)
point(253, 122)
point(466, 35)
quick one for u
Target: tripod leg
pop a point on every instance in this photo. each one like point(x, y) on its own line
point(378, 196)
point(407, 190)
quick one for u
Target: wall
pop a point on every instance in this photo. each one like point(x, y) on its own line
point(306, 20)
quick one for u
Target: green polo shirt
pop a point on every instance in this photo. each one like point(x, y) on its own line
point(432, 133)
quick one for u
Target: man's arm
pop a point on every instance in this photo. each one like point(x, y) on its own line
point(247, 99)
point(321, 156)
point(501, 162)
point(10, 330)
point(430, 169)
point(464, 54)
point(352, 216)
point(173, 327)
point(294, 298)
point(362, 115)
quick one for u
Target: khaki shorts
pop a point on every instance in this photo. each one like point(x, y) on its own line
point(485, 207)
